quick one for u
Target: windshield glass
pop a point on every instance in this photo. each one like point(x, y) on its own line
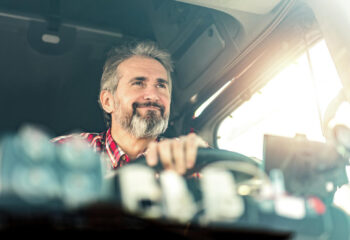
point(293, 102)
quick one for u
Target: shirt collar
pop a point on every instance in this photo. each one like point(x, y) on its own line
point(115, 153)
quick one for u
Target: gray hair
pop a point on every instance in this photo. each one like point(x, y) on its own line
point(149, 49)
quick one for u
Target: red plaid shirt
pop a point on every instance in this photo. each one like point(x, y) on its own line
point(104, 143)
point(101, 143)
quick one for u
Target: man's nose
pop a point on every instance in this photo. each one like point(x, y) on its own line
point(151, 94)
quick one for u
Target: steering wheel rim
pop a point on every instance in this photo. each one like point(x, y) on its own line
point(205, 156)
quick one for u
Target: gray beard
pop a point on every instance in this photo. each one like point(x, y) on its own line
point(149, 126)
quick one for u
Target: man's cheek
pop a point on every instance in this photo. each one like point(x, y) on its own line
point(167, 111)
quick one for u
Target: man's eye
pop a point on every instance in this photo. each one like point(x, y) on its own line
point(162, 85)
point(138, 83)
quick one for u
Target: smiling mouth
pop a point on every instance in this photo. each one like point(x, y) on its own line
point(149, 105)
point(151, 108)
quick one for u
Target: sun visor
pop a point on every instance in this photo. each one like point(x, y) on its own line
point(193, 62)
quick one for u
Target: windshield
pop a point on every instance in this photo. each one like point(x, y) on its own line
point(293, 102)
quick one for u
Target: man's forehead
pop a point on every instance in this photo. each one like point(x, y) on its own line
point(138, 65)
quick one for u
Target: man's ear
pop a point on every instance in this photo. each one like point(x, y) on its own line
point(107, 101)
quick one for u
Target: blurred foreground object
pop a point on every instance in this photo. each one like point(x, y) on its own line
point(310, 168)
point(342, 198)
point(52, 187)
point(41, 175)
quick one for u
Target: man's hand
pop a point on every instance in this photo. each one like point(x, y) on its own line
point(177, 153)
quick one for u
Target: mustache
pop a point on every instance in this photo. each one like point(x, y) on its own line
point(148, 104)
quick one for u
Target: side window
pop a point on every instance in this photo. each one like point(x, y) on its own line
point(293, 102)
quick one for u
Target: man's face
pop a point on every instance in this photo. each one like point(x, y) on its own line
point(142, 97)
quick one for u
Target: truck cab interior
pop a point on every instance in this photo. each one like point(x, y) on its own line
point(263, 79)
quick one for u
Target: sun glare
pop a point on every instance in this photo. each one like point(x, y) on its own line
point(293, 102)
point(204, 105)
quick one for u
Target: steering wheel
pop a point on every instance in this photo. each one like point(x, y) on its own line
point(206, 156)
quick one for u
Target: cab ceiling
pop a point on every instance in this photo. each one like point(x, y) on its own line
point(53, 81)
point(250, 6)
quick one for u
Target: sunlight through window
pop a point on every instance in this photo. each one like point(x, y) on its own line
point(286, 106)
point(212, 98)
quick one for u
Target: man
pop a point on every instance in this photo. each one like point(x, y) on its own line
point(135, 96)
